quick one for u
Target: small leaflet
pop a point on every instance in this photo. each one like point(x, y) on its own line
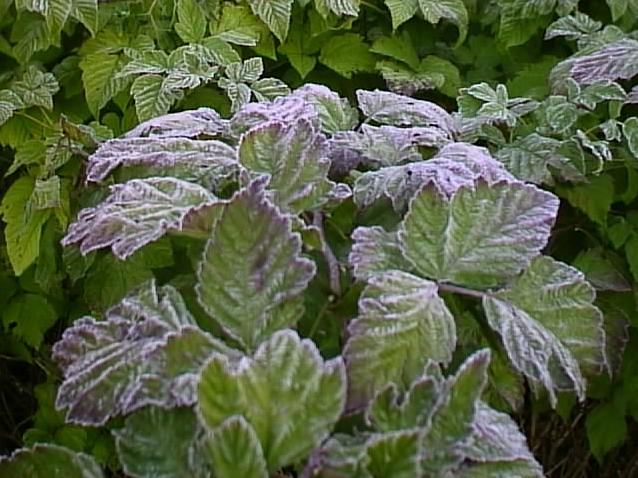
point(252, 269)
point(286, 392)
point(402, 324)
point(210, 162)
point(135, 214)
point(481, 236)
point(147, 352)
point(553, 354)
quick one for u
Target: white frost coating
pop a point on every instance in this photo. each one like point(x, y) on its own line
point(402, 324)
point(335, 113)
point(185, 124)
point(209, 161)
point(42, 458)
point(136, 213)
point(398, 110)
point(285, 110)
point(286, 392)
point(618, 60)
point(481, 236)
point(375, 251)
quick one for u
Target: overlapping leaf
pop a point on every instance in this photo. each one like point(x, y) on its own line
point(285, 110)
point(209, 162)
point(402, 324)
point(202, 123)
point(480, 236)
point(252, 269)
point(295, 158)
point(147, 352)
point(49, 461)
point(275, 14)
point(287, 393)
point(335, 113)
point(551, 330)
point(374, 251)
point(164, 441)
point(136, 213)
point(615, 61)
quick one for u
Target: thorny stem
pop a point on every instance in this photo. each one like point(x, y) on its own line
point(334, 272)
point(479, 294)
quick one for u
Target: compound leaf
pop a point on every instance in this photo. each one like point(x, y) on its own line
point(285, 374)
point(235, 450)
point(146, 352)
point(49, 461)
point(160, 440)
point(552, 332)
point(252, 268)
point(481, 236)
point(274, 13)
point(402, 324)
point(136, 213)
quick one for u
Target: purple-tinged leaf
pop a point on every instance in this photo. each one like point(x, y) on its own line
point(136, 213)
point(402, 324)
point(202, 122)
point(551, 331)
point(295, 157)
point(211, 163)
point(572, 27)
point(456, 165)
point(481, 236)
point(49, 461)
point(618, 60)
point(146, 352)
point(375, 251)
point(286, 392)
point(252, 269)
point(632, 97)
point(284, 110)
point(398, 110)
point(335, 113)
point(164, 441)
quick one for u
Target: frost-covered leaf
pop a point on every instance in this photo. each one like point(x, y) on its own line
point(452, 10)
point(295, 157)
point(251, 269)
point(572, 27)
point(497, 448)
point(136, 213)
point(481, 236)
point(456, 165)
point(347, 54)
point(49, 461)
point(402, 324)
point(288, 394)
point(618, 60)
point(590, 95)
point(208, 162)
point(160, 441)
point(335, 113)
point(534, 157)
point(491, 105)
point(269, 88)
point(397, 110)
point(235, 450)
point(274, 13)
point(202, 123)
point(401, 11)
point(550, 328)
point(338, 7)
point(375, 251)
point(146, 352)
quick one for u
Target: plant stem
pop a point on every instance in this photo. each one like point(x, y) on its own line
point(334, 272)
point(479, 294)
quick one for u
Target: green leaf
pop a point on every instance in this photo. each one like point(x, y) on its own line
point(146, 352)
point(337, 7)
point(375, 251)
point(153, 97)
point(295, 157)
point(335, 113)
point(36, 88)
point(136, 213)
point(238, 25)
point(549, 326)
point(251, 269)
point(630, 131)
point(394, 454)
point(286, 373)
point(481, 236)
point(274, 13)
point(49, 461)
point(299, 49)
point(452, 10)
point(191, 24)
point(601, 269)
point(593, 198)
point(29, 316)
point(347, 54)
point(24, 226)
point(397, 48)
point(618, 8)
point(100, 79)
point(606, 428)
point(86, 12)
point(59, 11)
point(160, 440)
point(235, 450)
point(631, 252)
point(401, 11)
point(402, 323)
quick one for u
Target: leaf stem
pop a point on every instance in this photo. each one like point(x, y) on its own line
point(334, 272)
point(35, 120)
point(373, 7)
point(479, 294)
